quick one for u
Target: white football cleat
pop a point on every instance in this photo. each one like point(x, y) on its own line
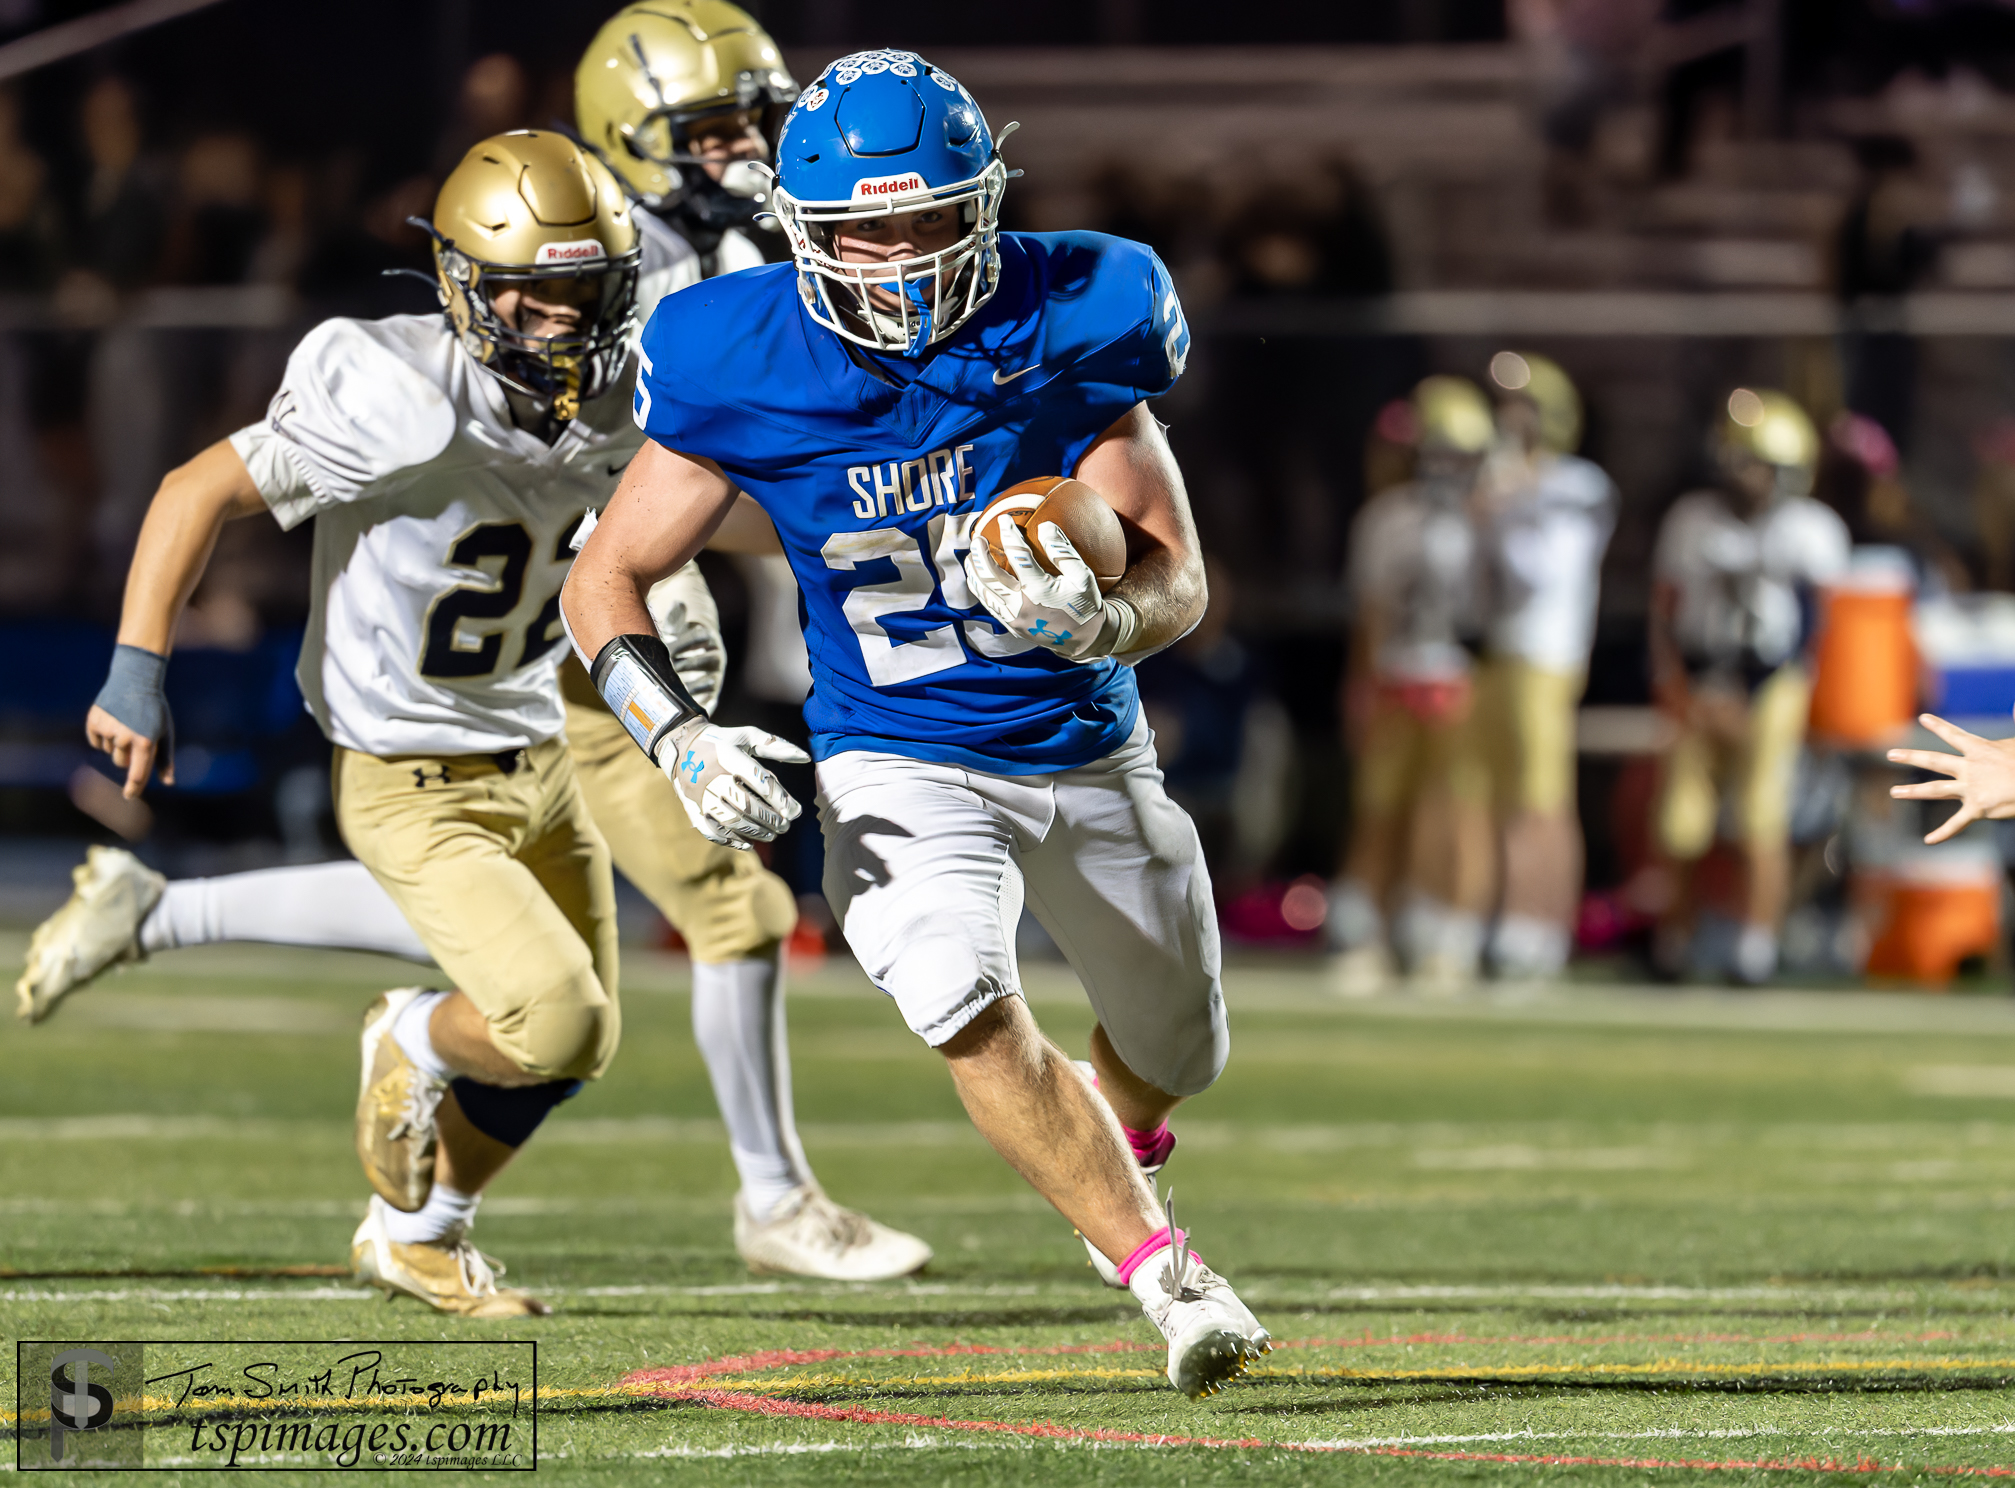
point(98, 927)
point(1364, 971)
point(450, 1276)
point(396, 1105)
point(810, 1235)
point(1212, 1336)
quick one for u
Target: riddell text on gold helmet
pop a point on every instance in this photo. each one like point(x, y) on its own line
point(528, 208)
point(658, 66)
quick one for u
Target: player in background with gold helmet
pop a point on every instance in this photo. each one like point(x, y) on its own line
point(681, 99)
point(733, 911)
point(1731, 606)
point(1420, 849)
point(1544, 517)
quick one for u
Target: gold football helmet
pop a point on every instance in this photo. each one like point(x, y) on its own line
point(1764, 425)
point(1453, 415)
point(1538, 379)
point(533, 212)
point(660, 69)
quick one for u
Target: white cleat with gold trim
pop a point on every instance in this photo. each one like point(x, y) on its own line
point(97, 928)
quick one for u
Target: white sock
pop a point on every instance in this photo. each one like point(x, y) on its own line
point(335, 905)
point(1525, 946)
point(447, 1215)
point(1429, 931)
point(1354, 916)
point(417, 1039)
point(1756, 954)
point(739, 1025)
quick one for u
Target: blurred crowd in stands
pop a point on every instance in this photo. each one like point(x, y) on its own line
point(155, 271)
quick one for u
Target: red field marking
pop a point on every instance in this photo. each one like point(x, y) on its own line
point(677, 1382)
point(675, 1374)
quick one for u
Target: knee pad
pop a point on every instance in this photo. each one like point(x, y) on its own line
point(735, 915)
point(509, 1114)
point(570, 1039)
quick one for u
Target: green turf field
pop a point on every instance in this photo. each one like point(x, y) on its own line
point(1692, 1236)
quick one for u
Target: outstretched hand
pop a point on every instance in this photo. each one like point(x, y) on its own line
point(1982, 777)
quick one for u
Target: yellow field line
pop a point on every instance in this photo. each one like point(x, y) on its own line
point(1675, 1369)
point(1666, 1368)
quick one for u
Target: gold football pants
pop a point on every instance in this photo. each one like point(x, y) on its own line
point(1755, 772)
point(725, 903)
point(1527, 718)
point(497, 866)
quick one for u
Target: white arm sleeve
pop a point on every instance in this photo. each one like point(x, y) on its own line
point(351, 411)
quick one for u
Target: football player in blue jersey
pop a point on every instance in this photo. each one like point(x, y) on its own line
point(978, 734)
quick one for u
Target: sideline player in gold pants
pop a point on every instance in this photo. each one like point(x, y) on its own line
point(1732, 576)
point(1420, 849)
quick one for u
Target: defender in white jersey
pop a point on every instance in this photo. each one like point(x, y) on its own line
point(449, 465)
point(1544, 516)
point(1419, 847)
point(693, 65)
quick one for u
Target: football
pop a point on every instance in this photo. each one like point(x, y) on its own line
point(1091, 525)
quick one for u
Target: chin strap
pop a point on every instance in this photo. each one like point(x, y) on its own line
point(567, 396)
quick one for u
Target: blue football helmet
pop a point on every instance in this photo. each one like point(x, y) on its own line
point(880, 134)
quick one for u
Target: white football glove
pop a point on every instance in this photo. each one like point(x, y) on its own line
point(1061, 610)
point(687, 621)
point(730, 798)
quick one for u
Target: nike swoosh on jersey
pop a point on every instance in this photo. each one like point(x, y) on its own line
point(619, 469)
point(1000, 381)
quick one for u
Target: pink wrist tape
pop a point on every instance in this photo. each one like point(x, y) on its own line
point(1147, 1250)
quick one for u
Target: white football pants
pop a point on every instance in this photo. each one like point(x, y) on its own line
point(928, 865)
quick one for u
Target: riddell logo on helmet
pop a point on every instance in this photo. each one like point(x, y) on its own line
point(874, 188)
point(585, 250)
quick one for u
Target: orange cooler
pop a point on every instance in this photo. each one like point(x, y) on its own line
point(1864, 687)
point(1923, 926)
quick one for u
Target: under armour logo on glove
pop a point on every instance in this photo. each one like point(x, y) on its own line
point(1062, 610)
point(421, 779)
point(742, 803)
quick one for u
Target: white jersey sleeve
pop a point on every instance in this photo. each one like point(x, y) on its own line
point(1546, 543)
point(1805, 542)
point(1411, 565)
point(352, 410)
point(441, 536)
point(669, 263)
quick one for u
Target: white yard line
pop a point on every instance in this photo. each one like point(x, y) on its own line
point(1435, 1143)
